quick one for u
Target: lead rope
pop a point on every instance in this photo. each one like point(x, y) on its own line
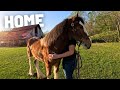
point(79, 62)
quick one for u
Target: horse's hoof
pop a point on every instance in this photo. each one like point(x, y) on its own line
point(35, 75)
point(44, 78)
point(47, 78)
point(31, 75)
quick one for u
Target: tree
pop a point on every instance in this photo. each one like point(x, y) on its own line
point(116, 16)
point(100, 21)
point(80, 13)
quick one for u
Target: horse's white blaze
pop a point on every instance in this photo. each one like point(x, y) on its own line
point(83, 44)
point(90, 40)
point(83, 27)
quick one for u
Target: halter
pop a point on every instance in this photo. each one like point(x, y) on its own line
point(79, 61)
point(72, 24)
point(78, 57)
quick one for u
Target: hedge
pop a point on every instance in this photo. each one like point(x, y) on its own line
point(110, 36)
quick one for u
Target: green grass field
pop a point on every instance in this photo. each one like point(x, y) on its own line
point(102, 61)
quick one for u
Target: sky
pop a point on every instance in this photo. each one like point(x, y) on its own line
point(50, 19)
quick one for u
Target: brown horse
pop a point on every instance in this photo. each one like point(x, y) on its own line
point(54, 42)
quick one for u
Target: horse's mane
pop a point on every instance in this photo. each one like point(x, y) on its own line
point(54, 33)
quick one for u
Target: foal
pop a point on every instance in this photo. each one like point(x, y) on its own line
point(54, 42)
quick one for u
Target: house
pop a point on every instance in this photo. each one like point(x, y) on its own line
point(19, 36)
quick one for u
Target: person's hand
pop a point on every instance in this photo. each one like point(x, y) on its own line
point(53, 56)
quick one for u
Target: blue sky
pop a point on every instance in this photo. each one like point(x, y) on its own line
point(50, 19)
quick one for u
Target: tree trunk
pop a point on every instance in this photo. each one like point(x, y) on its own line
point(119, 30)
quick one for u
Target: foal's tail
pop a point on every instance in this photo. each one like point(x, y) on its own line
point(30, 42)
point(29, 54)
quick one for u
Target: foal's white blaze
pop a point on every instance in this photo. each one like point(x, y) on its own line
point(84, 28)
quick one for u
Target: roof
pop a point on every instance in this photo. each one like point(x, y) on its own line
point(8, 36)
point(15, 33)
point(25, 27)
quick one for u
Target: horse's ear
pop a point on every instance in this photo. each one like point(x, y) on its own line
point(77, 14)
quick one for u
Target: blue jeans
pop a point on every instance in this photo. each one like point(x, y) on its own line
point(68, 67)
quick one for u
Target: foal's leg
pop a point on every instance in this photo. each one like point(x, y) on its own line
point(30, 67)
point(48, 70)
point(39, 73)
point(56, 70)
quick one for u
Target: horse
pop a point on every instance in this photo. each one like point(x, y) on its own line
point(54, 42)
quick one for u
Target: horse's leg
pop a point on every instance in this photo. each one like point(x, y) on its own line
point(29, 54)
point(40, 75)
point(30, 67)
point(56, 70)
point(48, 70)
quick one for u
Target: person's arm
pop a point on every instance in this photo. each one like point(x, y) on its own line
point(65, 54)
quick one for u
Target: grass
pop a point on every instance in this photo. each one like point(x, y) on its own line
point(102, 61)
point(14, 64)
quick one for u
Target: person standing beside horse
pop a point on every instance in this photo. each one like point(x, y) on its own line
point(60, 40)
point(69, 62)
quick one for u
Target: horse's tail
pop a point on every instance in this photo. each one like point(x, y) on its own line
point(29, 54)
point(29, 44)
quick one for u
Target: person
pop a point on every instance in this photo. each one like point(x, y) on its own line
point(69, 61)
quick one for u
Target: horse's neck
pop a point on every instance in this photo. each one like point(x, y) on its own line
point(60, 43)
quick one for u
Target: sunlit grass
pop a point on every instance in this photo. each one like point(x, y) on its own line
point(102, 61)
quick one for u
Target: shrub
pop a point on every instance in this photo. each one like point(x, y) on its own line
point(110, 36)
